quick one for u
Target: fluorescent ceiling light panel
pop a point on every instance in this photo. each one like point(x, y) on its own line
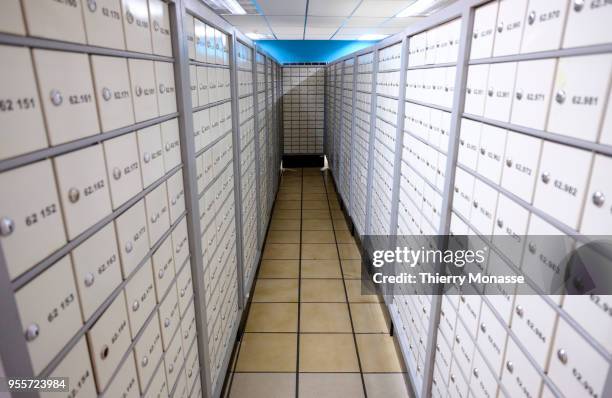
point(257, 36)
point(372, 36)
point(231, 5)
point(418, 8)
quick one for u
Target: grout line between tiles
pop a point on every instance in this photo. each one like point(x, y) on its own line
point(365, 393)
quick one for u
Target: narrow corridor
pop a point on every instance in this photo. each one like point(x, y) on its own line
point(309, 331)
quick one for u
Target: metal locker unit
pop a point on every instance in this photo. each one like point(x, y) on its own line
point(487, 113)
point(346, 126)
point(126, 141)
point(303, 108)
point(248, 162)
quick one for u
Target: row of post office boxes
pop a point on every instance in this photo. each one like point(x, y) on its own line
point(134, 25)
point(211, 124)
point(247, 135)
point(245, 83)
point(245, 108)
point(213, 162)
point(385, 133)
point(435, 46)
point(565, 96)
point(85, 194)
point(304, 71)
point(205, 43)
point(87, 95)
point(244, 55)
point(365, 63)
point(386, 109)
point(429, 124)
point(208, 84)
point(215, 197)
point(387, 83)
point(86, 287)
point(363, 101)
point(425, 160)
point(390, 57)
point(522, 26)
point(574, 193)
point(432, 85)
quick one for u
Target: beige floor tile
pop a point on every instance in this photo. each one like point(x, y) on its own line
point(386, 385)
point(369, 318)
point(281, 251)
point(283, 237)
point(328, 353)
point(263, 385)
point(334, 205)
point(280, 214)
point(349, 251)
point(344, 237)
point(324, 318)
point(267, 352)
point(355, 295)
point(330, 385)
point(288, 205)
point(317, 225)
point(340, 225)
point(285, 225)
point(337, 214)
point(379, 353)
point(272, 317)
point(289, 196)
point(315, 205)
point(318, 237)
point(351, 269)
point(321, 269)
point(290, 189)
point(276, 291)
point(314, 196)
point(315, 189)
point(312, 171)
point(322, 291)
point(283, 269)
point(315, 214)
point(319, 251)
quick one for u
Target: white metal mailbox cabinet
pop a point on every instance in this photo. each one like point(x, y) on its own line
point(49, 317)
point(31, 213)
point(104, 23)
point(22, 128)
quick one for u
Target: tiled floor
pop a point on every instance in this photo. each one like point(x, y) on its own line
point(310, 332)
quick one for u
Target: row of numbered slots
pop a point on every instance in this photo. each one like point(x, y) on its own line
point(215, 227)
point(212, 163)
point(89, 184)
point(438, 45)
point(526, 26)
point(431, 85)
point(428, 124)
point(81, 96)
point(365, 63)
point(151, 369)
point(387, 83)
point(245, 109)
point(134, 25)
point(245, 82)
point(205, 43)
point(83, 280)
point(473, 332)
point(208, 85)
point(568, 183)
point(244, 56)
point(390, 57)
point(565, 96)
point(304, 92)
point(364, 82)
point(210, 124)
point(304, 73)
point(424, 160)
point(419, 207)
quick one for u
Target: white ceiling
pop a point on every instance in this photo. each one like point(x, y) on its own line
point(321, 19)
